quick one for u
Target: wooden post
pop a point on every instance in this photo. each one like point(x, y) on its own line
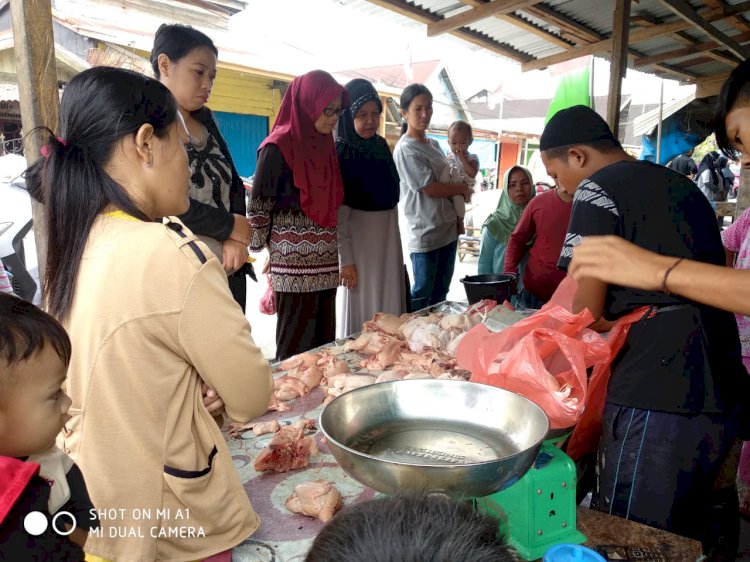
point(34, 48)
point(619, 58)
point(743, 192)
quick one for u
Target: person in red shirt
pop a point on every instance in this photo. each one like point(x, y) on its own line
point(541, 233)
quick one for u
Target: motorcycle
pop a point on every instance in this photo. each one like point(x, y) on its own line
point(15, 224)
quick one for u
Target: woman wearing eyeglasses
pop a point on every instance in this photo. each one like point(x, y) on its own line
point(296, 193)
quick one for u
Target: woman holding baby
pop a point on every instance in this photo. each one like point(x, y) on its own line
point(428, 204)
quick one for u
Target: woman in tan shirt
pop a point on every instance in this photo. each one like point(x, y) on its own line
point(155, 331)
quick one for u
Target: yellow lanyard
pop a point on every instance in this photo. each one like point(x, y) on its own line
point(121, 215)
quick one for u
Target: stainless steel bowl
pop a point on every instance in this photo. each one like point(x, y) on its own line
point(461, 438)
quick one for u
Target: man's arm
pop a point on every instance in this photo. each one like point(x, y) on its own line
point(613, 260)
point(591, 294)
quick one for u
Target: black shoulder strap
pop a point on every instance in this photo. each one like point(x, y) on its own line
point(177, 227)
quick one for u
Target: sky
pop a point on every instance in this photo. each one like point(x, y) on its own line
point(340, 35)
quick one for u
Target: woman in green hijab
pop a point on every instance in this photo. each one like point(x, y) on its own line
point(518, 189)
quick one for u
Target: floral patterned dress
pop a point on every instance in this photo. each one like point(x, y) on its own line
point(736, 238)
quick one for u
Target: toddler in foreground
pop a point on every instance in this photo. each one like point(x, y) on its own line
point(45, 510)
point(418, 526)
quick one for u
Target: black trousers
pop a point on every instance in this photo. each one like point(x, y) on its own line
point(668, 470)
point(238, 287)
point(304, 321)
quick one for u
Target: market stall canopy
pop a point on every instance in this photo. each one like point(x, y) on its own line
point(692, 41)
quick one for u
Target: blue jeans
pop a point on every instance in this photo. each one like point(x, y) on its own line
point(433, 272)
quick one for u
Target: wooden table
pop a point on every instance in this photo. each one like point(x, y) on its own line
point(469, 243)
point(603, 529)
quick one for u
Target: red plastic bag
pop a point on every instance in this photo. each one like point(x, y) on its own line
point(267, 301)
point(543, 357)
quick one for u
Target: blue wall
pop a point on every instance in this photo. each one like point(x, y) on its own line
point(243, 134)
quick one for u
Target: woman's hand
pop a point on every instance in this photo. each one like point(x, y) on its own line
point(234, 255)
point(242, 232)
point(266, 265)
point(614, 260)
point(211, 400)
point(348, 276)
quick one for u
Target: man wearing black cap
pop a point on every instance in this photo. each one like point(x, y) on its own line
point(669, 422)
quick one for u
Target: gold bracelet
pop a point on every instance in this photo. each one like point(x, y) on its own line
point(666, 275)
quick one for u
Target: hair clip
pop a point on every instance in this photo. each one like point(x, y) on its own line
point(46, 150)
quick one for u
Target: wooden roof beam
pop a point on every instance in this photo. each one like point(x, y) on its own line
point(526, 25)
point(483, 11)
point(570, 29)
point(686, 12)
point(636, 36)
point(738, 22)
point(696, 49)
point(480, 39)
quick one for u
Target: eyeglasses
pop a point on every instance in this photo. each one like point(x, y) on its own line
point(331, 111)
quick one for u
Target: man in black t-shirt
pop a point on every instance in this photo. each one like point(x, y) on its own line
point(670, 417)
point(684, 164)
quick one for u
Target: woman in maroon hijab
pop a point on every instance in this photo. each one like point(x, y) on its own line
point(296, 194)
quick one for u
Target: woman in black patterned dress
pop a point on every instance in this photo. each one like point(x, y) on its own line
point(184, 60)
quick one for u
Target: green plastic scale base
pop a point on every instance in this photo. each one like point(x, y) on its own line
point(541, 506)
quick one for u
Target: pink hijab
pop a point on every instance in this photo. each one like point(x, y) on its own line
point(310, 155)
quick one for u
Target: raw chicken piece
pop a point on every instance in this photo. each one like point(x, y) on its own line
point(407, 328)
point(460, 322)
point(306, 358)
point(390, 376)
point(383, 358)
point(385, 322)
point(288, 450)
point(236, 429)
point(453, 345)
point(303, 423)
point(356, 381)
point(369, 341)
point(337, 381)
point(450, 377)
point(276, 405)
point(428, 336)
point(288, 388)
point(410, 362)
point(318, 498)
point(411, 376)
point(261, 428)
point(311, 375)
point(331, 366)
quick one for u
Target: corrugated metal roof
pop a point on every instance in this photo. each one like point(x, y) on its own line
point(544, 28)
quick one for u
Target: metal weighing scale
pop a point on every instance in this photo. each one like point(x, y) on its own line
point(466, 440)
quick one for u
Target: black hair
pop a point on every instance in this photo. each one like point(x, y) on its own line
point(24, 331)
point(408, 95)
point(99, 107)
point(604, 145)
point(734, 92)
point(418, 526)
point(176, 41)
point(461, 126)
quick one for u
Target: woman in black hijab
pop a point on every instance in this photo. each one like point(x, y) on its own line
point(370, 255)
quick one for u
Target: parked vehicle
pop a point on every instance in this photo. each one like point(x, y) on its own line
point(15, 224)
